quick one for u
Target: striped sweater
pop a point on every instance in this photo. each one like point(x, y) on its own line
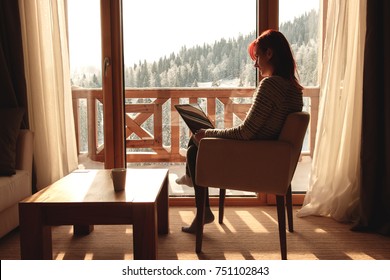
point(274, 99)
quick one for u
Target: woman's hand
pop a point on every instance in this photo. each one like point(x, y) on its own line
point(199, 135)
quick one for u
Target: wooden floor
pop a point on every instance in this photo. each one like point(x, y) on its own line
point(248, 233)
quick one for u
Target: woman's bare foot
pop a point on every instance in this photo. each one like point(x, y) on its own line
point(185, 180)
point(208, 218)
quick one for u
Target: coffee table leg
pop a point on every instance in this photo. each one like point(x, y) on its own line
point(162, 209)
point(35, 237)
point(145, 231)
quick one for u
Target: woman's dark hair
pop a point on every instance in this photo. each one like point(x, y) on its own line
point(282, 58)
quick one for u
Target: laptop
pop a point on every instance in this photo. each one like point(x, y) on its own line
point(194, 117)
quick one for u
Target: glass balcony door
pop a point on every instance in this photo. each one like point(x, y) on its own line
point(171, 52)
point(85, 52)
point(180, 51)
point(95, 45)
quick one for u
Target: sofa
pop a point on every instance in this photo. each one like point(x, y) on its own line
point(18, 186)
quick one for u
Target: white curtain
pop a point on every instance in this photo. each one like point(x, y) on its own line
point(335, 175)
point(45, 47)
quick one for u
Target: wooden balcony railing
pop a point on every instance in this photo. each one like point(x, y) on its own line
point(154, 131)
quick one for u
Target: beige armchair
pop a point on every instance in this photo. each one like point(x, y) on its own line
point(257, 166)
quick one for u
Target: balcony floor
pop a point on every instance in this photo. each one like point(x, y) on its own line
point(300, 181)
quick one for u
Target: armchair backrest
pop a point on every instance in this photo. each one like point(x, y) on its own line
point(256, 165)
point(293, 132)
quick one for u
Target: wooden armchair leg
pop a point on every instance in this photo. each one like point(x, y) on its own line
point(289, 210)
point(200, 219)
point(282, 225)
point(222, 194)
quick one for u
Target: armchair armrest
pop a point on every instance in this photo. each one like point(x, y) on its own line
point(256, 165)
point(24, 150)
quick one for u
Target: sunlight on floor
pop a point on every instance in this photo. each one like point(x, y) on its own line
point(88, 256)
point(320, 230)
point(251, 221)
point(300, 256)
point(359, 256)
point(60, 256)
point(228, 225)
point(187, 256)
point(269, 217)
point(266, 255)
point(233, 256)
point(128, 257)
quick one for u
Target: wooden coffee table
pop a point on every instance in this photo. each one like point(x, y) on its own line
point(85, 198)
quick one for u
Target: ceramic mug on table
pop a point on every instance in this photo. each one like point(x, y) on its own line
point(118, 176)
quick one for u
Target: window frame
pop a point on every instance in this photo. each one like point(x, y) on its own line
point(113, 91)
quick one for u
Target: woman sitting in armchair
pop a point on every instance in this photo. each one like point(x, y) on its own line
point(278, 94)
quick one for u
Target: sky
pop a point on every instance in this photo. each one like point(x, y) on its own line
point(189, 23)
point(288, 9)
point(154, 28)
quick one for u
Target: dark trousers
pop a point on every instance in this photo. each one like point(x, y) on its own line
point(190, 170)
